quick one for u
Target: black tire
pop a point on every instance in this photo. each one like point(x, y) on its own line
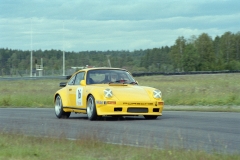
point(91, 109)
point(59, 112)
point(150, 117)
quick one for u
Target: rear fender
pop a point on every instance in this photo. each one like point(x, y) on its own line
point(63, 95)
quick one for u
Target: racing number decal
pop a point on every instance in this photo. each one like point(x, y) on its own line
point(79, 92)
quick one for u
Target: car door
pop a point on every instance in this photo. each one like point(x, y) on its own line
point(70, 87)
point(76, 91)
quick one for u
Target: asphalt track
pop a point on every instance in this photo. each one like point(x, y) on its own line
point(209, 131)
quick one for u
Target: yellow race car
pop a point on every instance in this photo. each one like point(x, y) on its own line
point(101, 92)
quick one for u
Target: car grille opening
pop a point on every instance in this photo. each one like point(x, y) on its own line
point(119, 109)
point(155, 109)
point(137, 110)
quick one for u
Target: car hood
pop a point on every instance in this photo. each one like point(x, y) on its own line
point(130, 93)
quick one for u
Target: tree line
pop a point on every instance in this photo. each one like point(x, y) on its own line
point(198, 53)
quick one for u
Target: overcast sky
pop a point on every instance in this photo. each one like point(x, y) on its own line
point(80, 25)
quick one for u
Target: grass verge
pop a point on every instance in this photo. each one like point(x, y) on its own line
point(23, 147)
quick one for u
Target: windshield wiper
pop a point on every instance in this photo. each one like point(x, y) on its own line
point(133, 83)
point(121, 81)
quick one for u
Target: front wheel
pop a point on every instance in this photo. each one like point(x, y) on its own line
point(150, 117)
point(91, 108)
point(59, 108)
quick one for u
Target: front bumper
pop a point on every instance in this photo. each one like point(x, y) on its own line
point(129, 108)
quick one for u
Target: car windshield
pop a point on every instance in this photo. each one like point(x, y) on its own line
point(101, 76)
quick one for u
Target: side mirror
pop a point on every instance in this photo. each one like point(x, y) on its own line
point(62, 84)
point(83, 83)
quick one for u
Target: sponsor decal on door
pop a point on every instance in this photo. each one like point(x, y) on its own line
point(79, 92)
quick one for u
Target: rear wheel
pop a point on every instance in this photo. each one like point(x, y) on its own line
point(59, 108)
point(91, 108)
point(150, 117)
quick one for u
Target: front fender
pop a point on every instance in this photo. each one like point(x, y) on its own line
point(97, 93)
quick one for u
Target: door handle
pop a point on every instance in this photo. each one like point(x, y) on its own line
point(70, 89)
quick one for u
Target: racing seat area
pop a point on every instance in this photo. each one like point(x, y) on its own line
point(106, 79)
point(90, 81)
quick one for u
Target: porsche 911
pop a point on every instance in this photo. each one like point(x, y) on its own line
point(99, 92)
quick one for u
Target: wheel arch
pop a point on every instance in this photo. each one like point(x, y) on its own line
point(90, 94)
point(55, 96)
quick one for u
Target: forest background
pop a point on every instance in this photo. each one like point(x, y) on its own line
point(197, 53)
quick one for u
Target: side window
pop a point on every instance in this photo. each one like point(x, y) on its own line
point(79, 77)
point(71, 81)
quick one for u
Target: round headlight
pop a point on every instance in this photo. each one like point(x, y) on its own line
point(108, 93)
point(157, 94)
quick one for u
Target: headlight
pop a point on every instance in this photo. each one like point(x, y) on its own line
point(157, 94)
point(108, 93)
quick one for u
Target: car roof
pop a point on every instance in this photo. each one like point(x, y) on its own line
point(97, 68)
point(94, 68)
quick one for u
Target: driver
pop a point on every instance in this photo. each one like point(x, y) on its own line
point(113, 78)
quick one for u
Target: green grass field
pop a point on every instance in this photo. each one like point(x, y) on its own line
point(215, 89)
point(218, 90)
point(20, 147)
